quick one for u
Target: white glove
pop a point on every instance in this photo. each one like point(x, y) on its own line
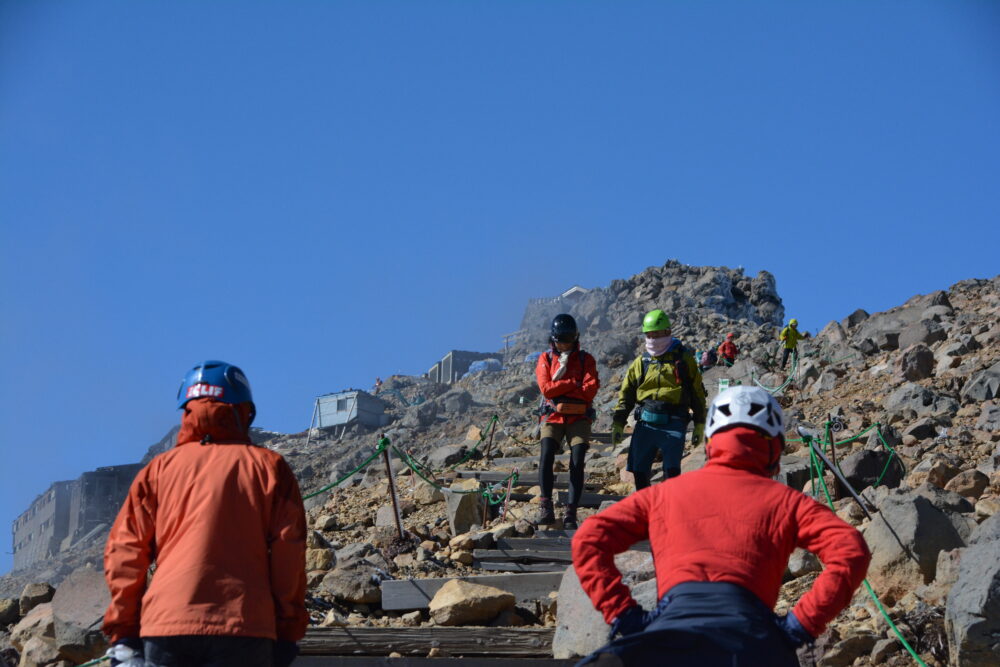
point(561, 371)
point(126, 656)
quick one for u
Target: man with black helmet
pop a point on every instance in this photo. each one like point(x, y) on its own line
point(222, 521)
point(567, 378)
point(665, 388)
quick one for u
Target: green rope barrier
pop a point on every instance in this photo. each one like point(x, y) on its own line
point(382, 443)
point(94, 662)
point(788, 380)
point(486, 493)
point(868, 587)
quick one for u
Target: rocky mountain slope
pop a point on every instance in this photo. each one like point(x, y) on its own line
point(918, 386)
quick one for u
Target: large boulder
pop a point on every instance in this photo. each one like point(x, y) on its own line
point(868, 467)
point(580, 629)
point(77, 609)
point(37, 623)
point(463, 603)
point(984, 385)
point(916, 363)
point(9, 611)
point(924, 332)
point(34, 595)
point(356, 581)
point(989, 417)
point(921, 401)
point(905, 538)
point(38, 652)
point(972, 613)
point(464, 506)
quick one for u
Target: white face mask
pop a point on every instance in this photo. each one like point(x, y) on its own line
point(657, 346)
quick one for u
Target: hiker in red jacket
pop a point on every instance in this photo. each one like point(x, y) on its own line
point(728, 350)
point(223, 522)
point(567, 378)
point(721, 538)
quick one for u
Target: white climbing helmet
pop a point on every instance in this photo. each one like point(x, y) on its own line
point(750, 406)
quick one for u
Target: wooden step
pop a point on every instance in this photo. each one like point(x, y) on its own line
point(587, 499)
point(523, 556)
point(406, 594)
point(493, 566)
point(549, 543)
point(384, 661)
point(416, 642)
point(531, 478)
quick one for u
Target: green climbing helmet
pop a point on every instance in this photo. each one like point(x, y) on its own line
point(655, 320)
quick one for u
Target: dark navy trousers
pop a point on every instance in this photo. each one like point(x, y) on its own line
point(703, 624)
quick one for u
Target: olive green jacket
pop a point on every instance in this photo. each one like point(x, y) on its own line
point(791, 337)
point(661, 383)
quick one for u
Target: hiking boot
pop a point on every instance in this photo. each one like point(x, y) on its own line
point(569, 521)
point(546, 515)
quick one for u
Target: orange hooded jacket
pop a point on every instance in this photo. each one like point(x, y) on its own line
point(224, 524)
point(579, 383)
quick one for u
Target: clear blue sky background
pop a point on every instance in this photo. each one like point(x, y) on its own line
point(323, 192)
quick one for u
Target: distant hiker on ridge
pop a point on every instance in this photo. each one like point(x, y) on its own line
point(665, 387)
point(567, 378)
point(223, 521)
point(790, 337)
point(721, 537)
point(728, 350)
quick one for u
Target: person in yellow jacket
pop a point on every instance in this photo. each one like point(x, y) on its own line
point(664, 387)
point(790, 337)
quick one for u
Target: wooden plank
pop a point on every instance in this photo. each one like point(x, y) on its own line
point(384, 661)
point(519, 567)
point(465, 641)
point(549, 543)
point(527, 479)
point(521, 556)
point(400, 594)
point(588, 499)
point(555, 533)
point(534, 543)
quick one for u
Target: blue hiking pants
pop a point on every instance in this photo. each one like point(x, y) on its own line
point(647, 438)
point(703, 624)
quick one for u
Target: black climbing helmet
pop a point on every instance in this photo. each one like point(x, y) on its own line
point(564, 329)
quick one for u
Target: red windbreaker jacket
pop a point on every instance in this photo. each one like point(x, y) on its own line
point(225, 525)
point(579, 382)
point(726, 522)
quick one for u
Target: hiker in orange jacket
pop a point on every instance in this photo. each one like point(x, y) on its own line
point(567, 378)
point(222, 522)
point(721, 537)
point(728, 350)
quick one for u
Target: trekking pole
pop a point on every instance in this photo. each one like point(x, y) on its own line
point(392, 484)
point(809, 439)
point(510, 485)
point(833, 455)
point(493, 430)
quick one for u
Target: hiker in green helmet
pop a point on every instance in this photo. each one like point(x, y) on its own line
point(790, 337)
point(665, 389)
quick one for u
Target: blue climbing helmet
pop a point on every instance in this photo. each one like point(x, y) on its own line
point(216, 380)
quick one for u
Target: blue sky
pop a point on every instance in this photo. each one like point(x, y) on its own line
point(323, 192)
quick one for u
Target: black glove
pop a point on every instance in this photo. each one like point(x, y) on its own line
point(284, 652)
point(126, 651)
point(792, 631)
point(629, 622)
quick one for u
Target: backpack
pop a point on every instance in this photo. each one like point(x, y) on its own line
point(548, 406)
point(680, 373)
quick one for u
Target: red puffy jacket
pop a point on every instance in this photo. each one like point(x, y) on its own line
point(224, 523)
point(726, 522)
point(579, 382)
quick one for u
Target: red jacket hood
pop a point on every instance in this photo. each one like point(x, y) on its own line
point(221, 422)
point(745, 449)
